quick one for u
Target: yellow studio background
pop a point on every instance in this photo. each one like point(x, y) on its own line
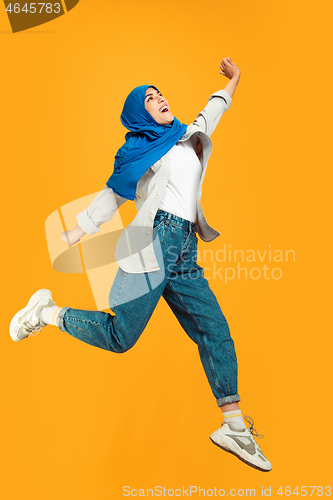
point(81, 423)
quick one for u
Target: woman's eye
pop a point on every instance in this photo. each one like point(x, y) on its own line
point(160, 95)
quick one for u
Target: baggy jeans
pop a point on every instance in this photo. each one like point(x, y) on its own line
point(189, 296)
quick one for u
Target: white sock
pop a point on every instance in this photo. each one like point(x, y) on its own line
point(234, 418)
point(49, 315)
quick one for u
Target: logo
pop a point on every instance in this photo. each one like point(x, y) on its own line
point(26, 15)
point(98, 255)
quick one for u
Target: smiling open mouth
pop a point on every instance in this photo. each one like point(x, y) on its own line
point(165, 109)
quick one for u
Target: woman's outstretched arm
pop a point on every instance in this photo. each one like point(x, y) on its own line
point(230, 70)
point(101, 209)
point(220, 101)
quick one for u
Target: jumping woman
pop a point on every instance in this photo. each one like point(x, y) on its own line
point(161, 166)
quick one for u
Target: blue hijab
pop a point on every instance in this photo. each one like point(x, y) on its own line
point(145, 144)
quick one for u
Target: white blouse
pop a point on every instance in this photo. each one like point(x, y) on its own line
point(179, 197)
point(185, 172)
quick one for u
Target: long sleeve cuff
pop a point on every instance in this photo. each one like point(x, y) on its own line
point(86, 223)
point(222, 93)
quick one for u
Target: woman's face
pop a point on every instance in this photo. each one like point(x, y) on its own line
point(158, 107)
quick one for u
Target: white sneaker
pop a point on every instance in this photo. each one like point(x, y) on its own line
point(241, 444)
point(26, 321)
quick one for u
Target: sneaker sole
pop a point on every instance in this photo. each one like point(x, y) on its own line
point(33, 300)
point(227, 449)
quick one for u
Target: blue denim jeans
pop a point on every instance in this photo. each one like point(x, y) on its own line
point(189, 296)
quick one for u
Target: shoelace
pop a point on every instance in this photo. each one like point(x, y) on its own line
point(252, 429)
point(37, 330)
point(33, 329)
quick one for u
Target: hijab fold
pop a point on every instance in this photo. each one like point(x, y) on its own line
point(145, 144)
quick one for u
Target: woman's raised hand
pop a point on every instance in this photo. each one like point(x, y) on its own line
point(229, 68)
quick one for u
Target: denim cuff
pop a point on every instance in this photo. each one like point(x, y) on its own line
point(61, 318)
point(227, 399)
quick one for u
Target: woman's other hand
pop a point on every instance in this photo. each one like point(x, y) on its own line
point(73, 235)
point(229, 69)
